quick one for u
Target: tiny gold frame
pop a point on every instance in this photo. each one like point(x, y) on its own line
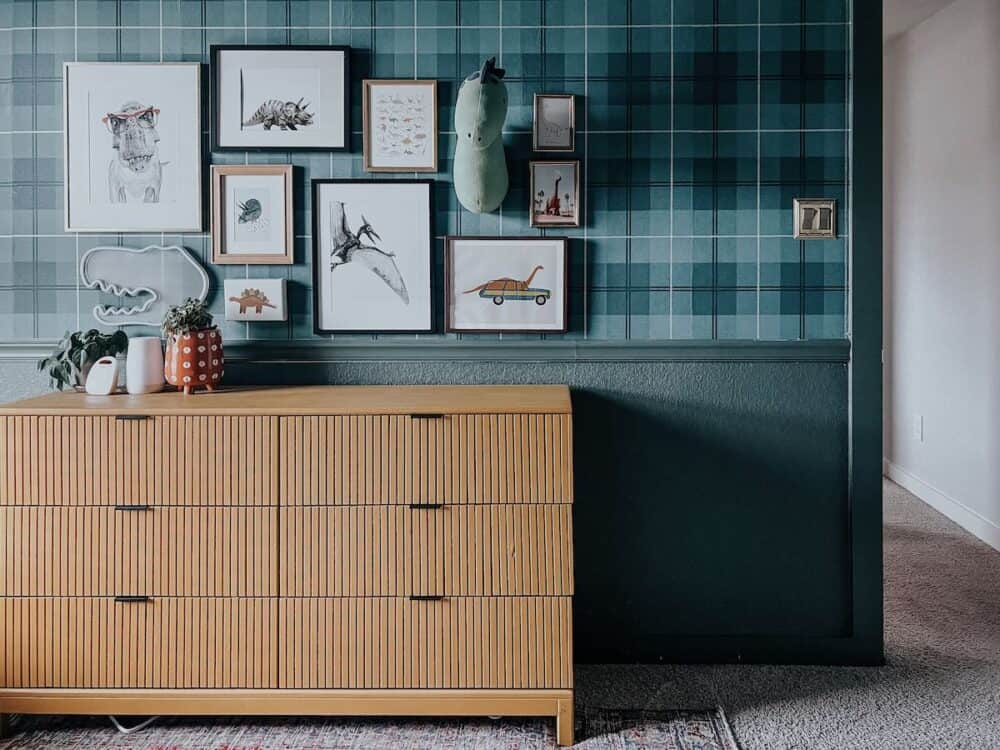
point(281, 256)
point(366, 87)
point(535, 144)
point(815, 218)
point(558, 221)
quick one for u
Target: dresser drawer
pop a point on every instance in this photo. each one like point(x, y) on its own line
point(109, 460)
point(452, 458)
point(164, 643)
point(456, 550)
point(159, 551)
point(500, 642)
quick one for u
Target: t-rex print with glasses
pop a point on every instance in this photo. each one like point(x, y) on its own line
point(136, 172)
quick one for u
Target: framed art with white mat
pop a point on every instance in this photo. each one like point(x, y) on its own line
point(281, 98)
point(400, 125)
point(252, 214)
point(506, 284)
point(132, 147)
point(372, 256)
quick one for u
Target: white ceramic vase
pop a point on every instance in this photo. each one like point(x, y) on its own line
point(144, 365)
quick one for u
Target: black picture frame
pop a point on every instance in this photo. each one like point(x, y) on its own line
point(217, 49)
point(449, 242)
point(318, 264)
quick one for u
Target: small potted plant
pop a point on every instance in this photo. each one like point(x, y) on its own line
point(75, 354)
point(194, 347)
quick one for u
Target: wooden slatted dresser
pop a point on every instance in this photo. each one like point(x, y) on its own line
point(331, 550)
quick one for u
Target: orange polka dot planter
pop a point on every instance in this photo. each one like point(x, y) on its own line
point(194, 360)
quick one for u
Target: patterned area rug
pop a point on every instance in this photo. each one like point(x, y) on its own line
point(597, 729)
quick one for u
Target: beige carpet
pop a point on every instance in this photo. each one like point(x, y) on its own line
point(939, 690)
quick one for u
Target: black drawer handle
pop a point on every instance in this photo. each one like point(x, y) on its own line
point(133, 507)
point(128, 599)
point(426, 506)
point(427, 416)
point(131, 417)
point(426, 598)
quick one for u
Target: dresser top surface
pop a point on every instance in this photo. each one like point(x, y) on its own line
point(311, 400)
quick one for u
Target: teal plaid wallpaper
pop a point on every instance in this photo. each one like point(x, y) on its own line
point(699, 121)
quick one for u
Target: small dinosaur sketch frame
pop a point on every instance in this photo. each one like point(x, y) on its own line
point(252, 214)
point(553, 122)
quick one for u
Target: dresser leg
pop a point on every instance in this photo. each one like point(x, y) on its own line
point(4, 725)
point(564, 723)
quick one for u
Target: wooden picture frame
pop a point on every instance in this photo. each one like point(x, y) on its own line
point(454, 286)
point(540, 207)
point(224, 138)
point(157, 186)
point(538, 135)
point(224, 211)
point(374, 161)
point(418, 276)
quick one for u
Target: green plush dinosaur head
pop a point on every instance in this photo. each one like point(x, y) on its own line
point(482, 106)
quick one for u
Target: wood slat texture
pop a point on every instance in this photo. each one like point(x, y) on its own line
point(95, 460)
point(480, 550)
point(455, 458)
point(496, 642)
point(103, 460)
point(165, 643)
point(100, 551)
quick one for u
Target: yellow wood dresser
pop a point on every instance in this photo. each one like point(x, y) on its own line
point(330, 550)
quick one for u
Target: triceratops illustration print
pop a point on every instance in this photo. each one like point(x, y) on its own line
point(284, 115)
point(135, 173)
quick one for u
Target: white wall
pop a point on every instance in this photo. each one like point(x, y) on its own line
point(942, 255)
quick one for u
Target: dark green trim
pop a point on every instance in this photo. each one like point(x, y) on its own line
point(320, 352)
point(865, 483)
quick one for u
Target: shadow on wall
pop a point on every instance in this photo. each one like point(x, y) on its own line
point(726, 538)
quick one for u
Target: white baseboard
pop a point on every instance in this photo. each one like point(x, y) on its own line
point(957, 511)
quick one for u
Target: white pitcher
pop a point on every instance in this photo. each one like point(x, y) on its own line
point(144, 365)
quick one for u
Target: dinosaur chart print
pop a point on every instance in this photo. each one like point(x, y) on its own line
point(400, 126)
point(505, 284)
point(256, 300)
point(132, 147)
point(372, 255)
point(555, 193)
point(280, 97)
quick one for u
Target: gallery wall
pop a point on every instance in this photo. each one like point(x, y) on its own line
point(715, 519)
point(699, 123)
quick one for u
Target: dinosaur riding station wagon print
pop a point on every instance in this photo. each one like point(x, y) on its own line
point(280, 97)
point(372, 256)
point(505, 284)
point(133, 147)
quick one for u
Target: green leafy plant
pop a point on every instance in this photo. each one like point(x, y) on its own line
point(76, 352)
point(191, 315)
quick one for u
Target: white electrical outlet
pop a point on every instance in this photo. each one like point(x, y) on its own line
point(918, 427)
